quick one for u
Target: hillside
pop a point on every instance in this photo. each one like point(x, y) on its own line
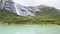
point(50, 16)
point(9, 17)
point(42, 17)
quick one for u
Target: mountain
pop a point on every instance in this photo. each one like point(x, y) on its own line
point(22, 10)
point(48, 14)
point(11, 12)
point(17, 8)
point(44, 7)
point(43, 17)
point(7, 5)
point(10, 17)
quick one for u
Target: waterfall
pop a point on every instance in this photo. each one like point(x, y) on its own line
point(17, 12)
point(17, 8)
point(21, 10)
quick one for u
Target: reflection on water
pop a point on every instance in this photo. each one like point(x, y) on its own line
point(29, 29)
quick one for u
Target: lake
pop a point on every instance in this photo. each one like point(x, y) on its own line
point(29, 29)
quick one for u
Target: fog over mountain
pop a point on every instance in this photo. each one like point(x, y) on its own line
point(22, 9)
point(53, 3)
point(13, 12)
point(17, 8)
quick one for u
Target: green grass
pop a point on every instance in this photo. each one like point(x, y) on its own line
point(44, 17)
point(9, 17)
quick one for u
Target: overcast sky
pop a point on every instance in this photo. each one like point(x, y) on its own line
point(54, 3)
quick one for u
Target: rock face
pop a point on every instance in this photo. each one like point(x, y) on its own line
point(17, 8)
point(7, 5)
point(22, 10)
point(46, 8)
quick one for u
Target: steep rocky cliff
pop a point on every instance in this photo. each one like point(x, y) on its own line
point(17, 8)
point(23, 10)
point(7, 5)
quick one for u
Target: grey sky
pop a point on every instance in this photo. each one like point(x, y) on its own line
point(54, 3)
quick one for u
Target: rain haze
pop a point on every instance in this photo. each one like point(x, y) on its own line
point(53, 3)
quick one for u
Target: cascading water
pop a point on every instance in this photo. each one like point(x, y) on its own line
point(16, 9)
point(21, 10)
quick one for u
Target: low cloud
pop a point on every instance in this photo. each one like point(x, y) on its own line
point(54, 3)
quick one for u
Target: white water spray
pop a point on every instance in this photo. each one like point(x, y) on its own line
point(19, 11)
point(16, 9)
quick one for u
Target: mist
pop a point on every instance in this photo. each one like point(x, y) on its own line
point(53, 3)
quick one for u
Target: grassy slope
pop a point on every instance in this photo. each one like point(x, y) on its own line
point(9, 17)
point(43, 17)
point(49, 17)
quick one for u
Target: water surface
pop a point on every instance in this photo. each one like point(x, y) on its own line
point(29, 29)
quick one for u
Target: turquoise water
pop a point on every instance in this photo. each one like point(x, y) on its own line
point(29, 29)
